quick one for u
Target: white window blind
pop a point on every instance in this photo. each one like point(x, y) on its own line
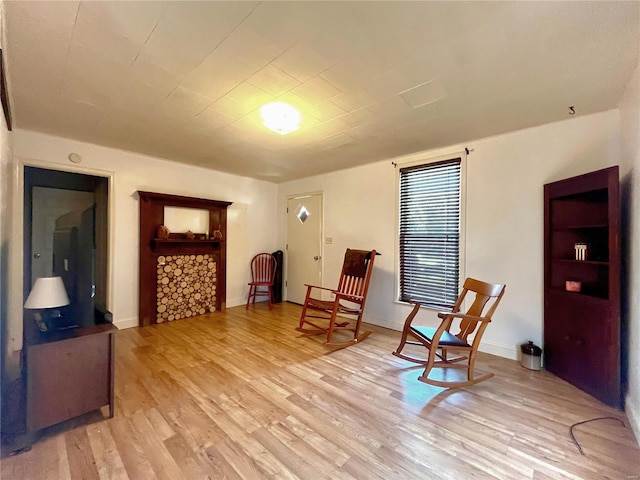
point(430, 199)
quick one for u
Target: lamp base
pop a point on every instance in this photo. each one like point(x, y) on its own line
point(40, 322)
point(51, 320)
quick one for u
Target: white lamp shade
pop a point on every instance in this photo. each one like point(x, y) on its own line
point(47, 292)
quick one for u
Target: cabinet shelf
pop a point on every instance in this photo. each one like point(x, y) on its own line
point(586, 293)
point(571, 261)
point(586, 296)
point(580, 226)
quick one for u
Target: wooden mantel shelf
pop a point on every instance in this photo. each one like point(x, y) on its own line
point(179, 241)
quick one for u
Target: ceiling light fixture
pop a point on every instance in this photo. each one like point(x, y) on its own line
point(280, 117)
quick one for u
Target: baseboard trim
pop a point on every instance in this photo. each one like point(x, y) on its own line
point(236, 302)
point(392, 325)
point(633, 415)
point(499, 350)
point(126, 323)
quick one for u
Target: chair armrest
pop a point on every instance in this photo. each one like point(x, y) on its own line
point(463, 316)
point(320, 288)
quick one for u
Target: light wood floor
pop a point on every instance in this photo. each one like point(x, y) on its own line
point(242, 395)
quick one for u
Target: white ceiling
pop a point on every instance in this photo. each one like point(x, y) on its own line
point(373, 80)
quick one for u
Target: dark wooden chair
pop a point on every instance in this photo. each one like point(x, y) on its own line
point(349, 300)
point(440, 341)
point(263, 271)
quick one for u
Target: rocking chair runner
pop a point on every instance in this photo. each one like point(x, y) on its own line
point(487, 298)
point(350, 298)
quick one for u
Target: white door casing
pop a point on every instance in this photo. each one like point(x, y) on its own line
point(304, 245)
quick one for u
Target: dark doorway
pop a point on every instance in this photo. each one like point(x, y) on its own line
point(66, 235)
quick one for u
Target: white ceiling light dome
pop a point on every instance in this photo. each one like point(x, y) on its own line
point(280, 117)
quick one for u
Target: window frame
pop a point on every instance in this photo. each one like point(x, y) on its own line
point(422, 160)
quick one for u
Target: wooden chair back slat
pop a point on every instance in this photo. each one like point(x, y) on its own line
point(486, 294)
point(356, 284)
point(263, 268)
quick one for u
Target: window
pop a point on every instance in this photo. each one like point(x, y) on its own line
point(430, 232)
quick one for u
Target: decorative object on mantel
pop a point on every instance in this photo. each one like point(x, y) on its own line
point(160, 254)
point(162, 233)
point(217, 234)
point(189, 235)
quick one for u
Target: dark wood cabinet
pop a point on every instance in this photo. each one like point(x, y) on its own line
point(69, 373)
point(582, 290)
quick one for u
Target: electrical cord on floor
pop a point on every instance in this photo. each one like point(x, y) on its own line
point(587, 421)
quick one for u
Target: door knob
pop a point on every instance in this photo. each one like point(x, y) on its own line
point(316, 258)
point(36, 255)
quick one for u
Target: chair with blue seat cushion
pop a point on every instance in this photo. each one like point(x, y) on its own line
point(440, 341)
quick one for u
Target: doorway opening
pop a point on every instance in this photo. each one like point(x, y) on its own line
point(66, 235)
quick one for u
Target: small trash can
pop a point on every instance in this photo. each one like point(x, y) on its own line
point(531, 356)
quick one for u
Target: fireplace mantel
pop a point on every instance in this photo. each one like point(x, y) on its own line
point(180, 277)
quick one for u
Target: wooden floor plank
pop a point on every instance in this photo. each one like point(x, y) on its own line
point(242, 395)
point(105, 453)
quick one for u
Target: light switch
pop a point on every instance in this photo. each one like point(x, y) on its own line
point(328, 240)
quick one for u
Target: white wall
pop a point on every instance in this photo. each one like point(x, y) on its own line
point(251, 223)
point(6, 175)
point(504, 219)
point(10, 326)
point(630, 155)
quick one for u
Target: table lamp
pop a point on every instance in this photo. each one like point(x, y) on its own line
point(47, 294)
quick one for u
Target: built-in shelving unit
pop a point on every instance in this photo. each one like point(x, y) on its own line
point(582, 296)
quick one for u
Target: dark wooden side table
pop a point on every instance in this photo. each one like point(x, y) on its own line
point(69, 373)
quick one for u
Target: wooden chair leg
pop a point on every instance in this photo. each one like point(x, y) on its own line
point(405, 329)
point(403, 340)
point(430, 362)
point(472, 363)
point(303, 314)
point(332, 322)
point(249, 296)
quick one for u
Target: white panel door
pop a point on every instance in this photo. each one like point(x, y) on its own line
point(304, 245)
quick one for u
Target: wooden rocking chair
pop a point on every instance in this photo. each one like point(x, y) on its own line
point(350, 298)
point(472, 323)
